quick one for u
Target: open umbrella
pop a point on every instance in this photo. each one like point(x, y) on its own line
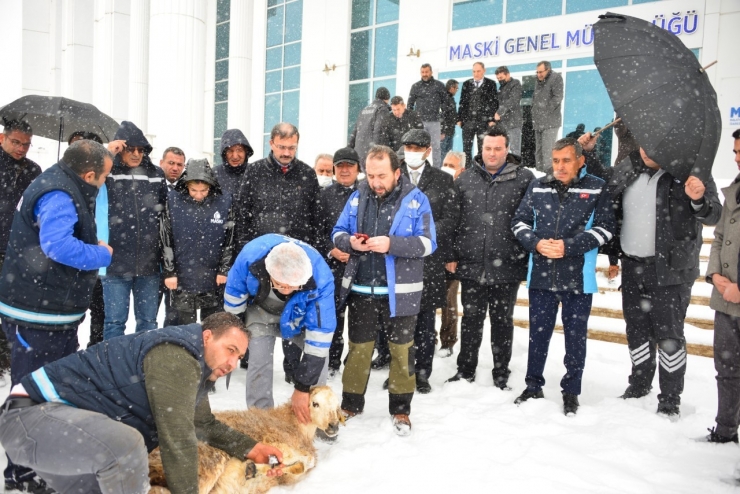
point(661, 92)
point(58, 118)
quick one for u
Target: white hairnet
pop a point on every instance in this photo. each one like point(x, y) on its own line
point(288, 263)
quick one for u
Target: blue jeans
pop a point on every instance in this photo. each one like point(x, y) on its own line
point(116, 293)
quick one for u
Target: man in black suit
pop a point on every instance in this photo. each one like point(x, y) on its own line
point(440, 190)
point(478, 106)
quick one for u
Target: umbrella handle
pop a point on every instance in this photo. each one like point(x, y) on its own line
point(61, 133)
point(704, 69)
point(607, 126)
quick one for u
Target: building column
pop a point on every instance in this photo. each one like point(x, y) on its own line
point(240, 65)
point(138, 74)
point(177, 58)
point(77, 50)
point(209, 85)
point(111, 57)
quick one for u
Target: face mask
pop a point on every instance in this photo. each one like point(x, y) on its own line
point(413, 159)
point(448, 170)
point(324, 181)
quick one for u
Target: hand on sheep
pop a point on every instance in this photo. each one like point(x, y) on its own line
point(300, 406)
point(261, 454)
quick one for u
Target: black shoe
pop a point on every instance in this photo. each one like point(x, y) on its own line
point(714, 437)
point(381, 362)
point(289, 378)
point(501, 383)
point(333, 373)
point(422, 385)
point(570, 404)
point(669, 410)
point(461, 375)
point(527, 395)
point(385, 383)
point(36, 485)
point(633, 391)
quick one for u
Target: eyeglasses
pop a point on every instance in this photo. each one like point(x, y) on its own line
point(280, 286)
point(18, 144)
point(286, 148)
point(134, 150)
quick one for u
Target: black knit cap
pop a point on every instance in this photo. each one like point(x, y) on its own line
point(418, 137)
point(346, 155)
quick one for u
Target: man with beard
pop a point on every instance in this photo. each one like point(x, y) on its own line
point(387, 228)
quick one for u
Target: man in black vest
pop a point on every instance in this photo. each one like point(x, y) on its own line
point(51, 268)
point(91, 418)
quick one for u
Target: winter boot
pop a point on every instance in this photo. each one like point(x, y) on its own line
point(633, 391)
point(381, 362)
point(570, 404)
point(670, 410)
point(462, 375)
point(715, 437)
point(401, 424)
point(422, 384)
point(527, 394)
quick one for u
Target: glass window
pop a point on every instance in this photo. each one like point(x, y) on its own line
point(292, 54)
point(574, 6)
point(362, 13)
point(634, 2)
point(293, 21)
point(523, 10)
point(586, 101)
point(272, 111)
point(220, 115)
point(216, 150)
point(359, 98)
point(222, 70)
point(359, 65)
point(387, 11)
point(386, 50)
point(274, 58)
point(223, 11)
point(273, 81)
point(275, 26)
point(476, 13)
point(389, 84)
point(222, 41)
point(291, 101)
point(222, 91)
point(291, 78)
point(272, 3)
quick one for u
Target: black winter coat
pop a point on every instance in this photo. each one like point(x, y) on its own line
point(440, 190)
point(332, 201)
point(270, 201)
point(485, 247)
point(488, 102)
point(15, 177)
point(427, 99)
point(449, 116)
point(230, 177)
point(392, 129)
point(367, 125)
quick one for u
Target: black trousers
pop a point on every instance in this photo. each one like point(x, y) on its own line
point(472, 130)
point(499, 301)
point(727, 364)
point(655, 316)
point(97, 314)
point(337, 342)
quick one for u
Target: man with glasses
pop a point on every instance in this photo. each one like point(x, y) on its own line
point(283, 288)
point(546, 118)
point(128, 219)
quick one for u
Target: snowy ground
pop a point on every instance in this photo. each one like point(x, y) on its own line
point(471, 437)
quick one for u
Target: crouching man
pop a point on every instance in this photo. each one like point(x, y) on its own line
point(86, 423)
point(285, 289)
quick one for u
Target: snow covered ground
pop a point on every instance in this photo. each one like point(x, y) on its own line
point(471, 438)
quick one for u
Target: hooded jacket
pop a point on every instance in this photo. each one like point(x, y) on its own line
point(309, 310)
point(427, 98)
point(366, 126)
point(230, 177)
point(134, 199)
point(486, 249)
point(413, 238)
point(197, 236)
point(15, 177)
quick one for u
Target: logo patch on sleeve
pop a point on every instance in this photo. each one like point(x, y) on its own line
point(584, 195)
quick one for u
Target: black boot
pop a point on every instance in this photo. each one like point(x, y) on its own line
point(462, 375)
point(529, 395)
point(422, 384)
point(570, 404)
point(715, 437)
point(633, 391)
point(381, 362)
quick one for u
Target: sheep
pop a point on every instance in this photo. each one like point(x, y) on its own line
point(219, 473)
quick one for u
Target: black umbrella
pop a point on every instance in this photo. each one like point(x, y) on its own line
point(58, 118)
point(662, 93)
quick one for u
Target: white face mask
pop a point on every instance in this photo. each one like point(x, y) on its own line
point(413, 159)
point(324, 181)
point(449, 170)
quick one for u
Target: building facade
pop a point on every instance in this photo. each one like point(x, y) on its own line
point(184, 71)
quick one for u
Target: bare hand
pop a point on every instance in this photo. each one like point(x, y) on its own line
point(587, 141)
point(339, 255)
point(552, 249)
point(613, 272)
point(110, 249)
point(171, 283)
point(694, 188)
point(732, 294)
point(381, 245)
point(300, 406)
point(261, 453)
point(116, 147)
point(496, 116)
point(451, 266)
point(720, 282)
point(358, 244)
point(220, 279)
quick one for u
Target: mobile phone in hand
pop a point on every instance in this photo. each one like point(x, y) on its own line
point(362, 236)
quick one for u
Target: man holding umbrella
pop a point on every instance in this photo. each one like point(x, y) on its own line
point(659, 242)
